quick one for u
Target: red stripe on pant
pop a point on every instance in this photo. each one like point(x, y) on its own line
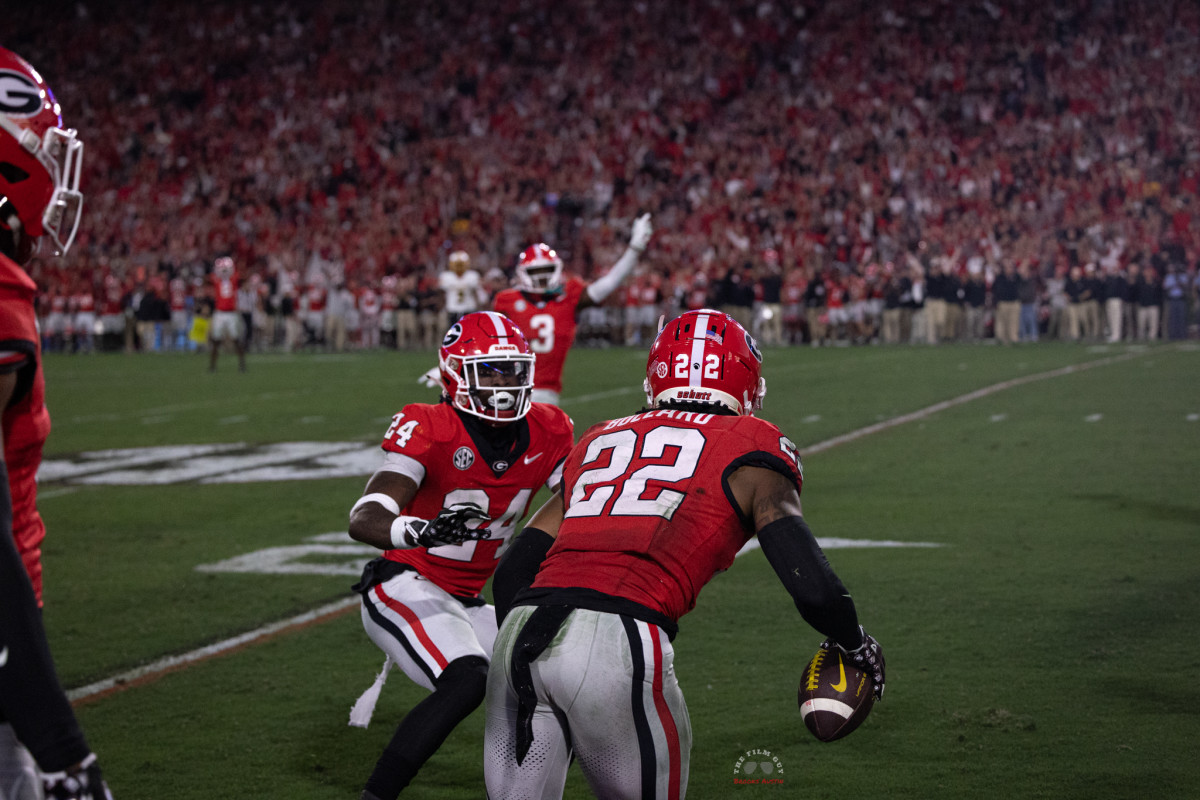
point(414, 622)
point(664, 716)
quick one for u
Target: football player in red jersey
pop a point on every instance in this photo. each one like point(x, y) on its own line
point(456, 479)
point(226, 323)
point(651, 507)
point(39, 197)
point(544, 304)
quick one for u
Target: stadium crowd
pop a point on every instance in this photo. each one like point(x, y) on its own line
point(829, 173)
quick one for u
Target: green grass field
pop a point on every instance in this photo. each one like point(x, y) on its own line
point(1047, 648)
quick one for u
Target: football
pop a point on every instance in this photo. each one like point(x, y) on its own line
point(835, 696)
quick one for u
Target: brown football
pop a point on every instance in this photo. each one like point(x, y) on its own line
point(835, 696)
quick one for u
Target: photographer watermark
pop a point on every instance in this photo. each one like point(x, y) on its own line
point(758, 768)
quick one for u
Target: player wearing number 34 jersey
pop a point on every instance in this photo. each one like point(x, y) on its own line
point(651, 507)
point(456, 479)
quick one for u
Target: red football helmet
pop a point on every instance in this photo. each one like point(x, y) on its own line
point(223, 267)
point(487, 367)
point(539, 269)
point(40, 160)
point(705, 356)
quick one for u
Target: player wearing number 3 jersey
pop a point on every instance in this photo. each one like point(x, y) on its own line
point(456, 479)
point(651, 507)
point(544, 304)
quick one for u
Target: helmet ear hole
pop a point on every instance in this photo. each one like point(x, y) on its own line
point(12, 173)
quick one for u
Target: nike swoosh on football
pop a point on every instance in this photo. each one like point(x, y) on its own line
point(531, 459)
point(840, 686)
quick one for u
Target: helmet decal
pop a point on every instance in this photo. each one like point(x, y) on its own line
point(452, 335)
point(19, 95)
point(753, 346)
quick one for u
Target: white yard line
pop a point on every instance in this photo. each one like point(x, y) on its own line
point(929, 411)
point(149, 672)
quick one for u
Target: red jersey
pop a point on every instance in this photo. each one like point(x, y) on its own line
point(225, 293)
point(648, 512)
point(26, 422)
point(548, 322)
point(452, 462)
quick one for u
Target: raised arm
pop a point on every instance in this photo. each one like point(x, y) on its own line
point(599, 289)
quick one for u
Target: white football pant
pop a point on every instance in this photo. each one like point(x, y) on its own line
point(606, 692)
point(423, 628)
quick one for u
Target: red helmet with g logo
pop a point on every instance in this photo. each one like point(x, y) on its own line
point(705, 356)
point(39, 159)
point(487, 367)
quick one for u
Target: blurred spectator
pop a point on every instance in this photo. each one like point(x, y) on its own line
point(1093, 327)
point(1175, 290)
point(1006, 295)
point(1147, 292)
point(1115, 292)
point(1027, 295)
point(975, 305)
point(1077, 293)
point(770, 316)
point(1058, 133)
point(816, 309)
point(735, 295)
point(462, 286)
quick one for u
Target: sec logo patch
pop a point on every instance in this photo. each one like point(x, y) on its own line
point(464, 457)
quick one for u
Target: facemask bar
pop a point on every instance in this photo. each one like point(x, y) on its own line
point(62, 215)
point(503, 403)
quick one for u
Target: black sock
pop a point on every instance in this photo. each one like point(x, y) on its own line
point(458, 691)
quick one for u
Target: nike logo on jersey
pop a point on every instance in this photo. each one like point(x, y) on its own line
point(4, 656)
point(840, 686)
point(531, 459)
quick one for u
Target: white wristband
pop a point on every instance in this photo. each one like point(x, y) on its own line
point(401, 540)
point(385, 500)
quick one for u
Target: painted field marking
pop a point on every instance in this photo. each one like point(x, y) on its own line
point(929, 411)
point(154, 670)
point(150, 672)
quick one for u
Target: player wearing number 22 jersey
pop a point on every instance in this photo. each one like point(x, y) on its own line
point(485, 448)
point(652, 506)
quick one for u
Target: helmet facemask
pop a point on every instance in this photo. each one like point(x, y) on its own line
point(60, 153)
point(539, 270)
point(495, 387)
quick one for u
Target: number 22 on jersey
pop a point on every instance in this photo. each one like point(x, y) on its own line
point(625, 476)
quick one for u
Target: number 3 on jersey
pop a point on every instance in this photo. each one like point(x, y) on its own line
point(543, 326)
point(595, 487)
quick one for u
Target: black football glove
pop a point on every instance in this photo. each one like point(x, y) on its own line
point(450, 526)
point(81, 783)
point(868, 657)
